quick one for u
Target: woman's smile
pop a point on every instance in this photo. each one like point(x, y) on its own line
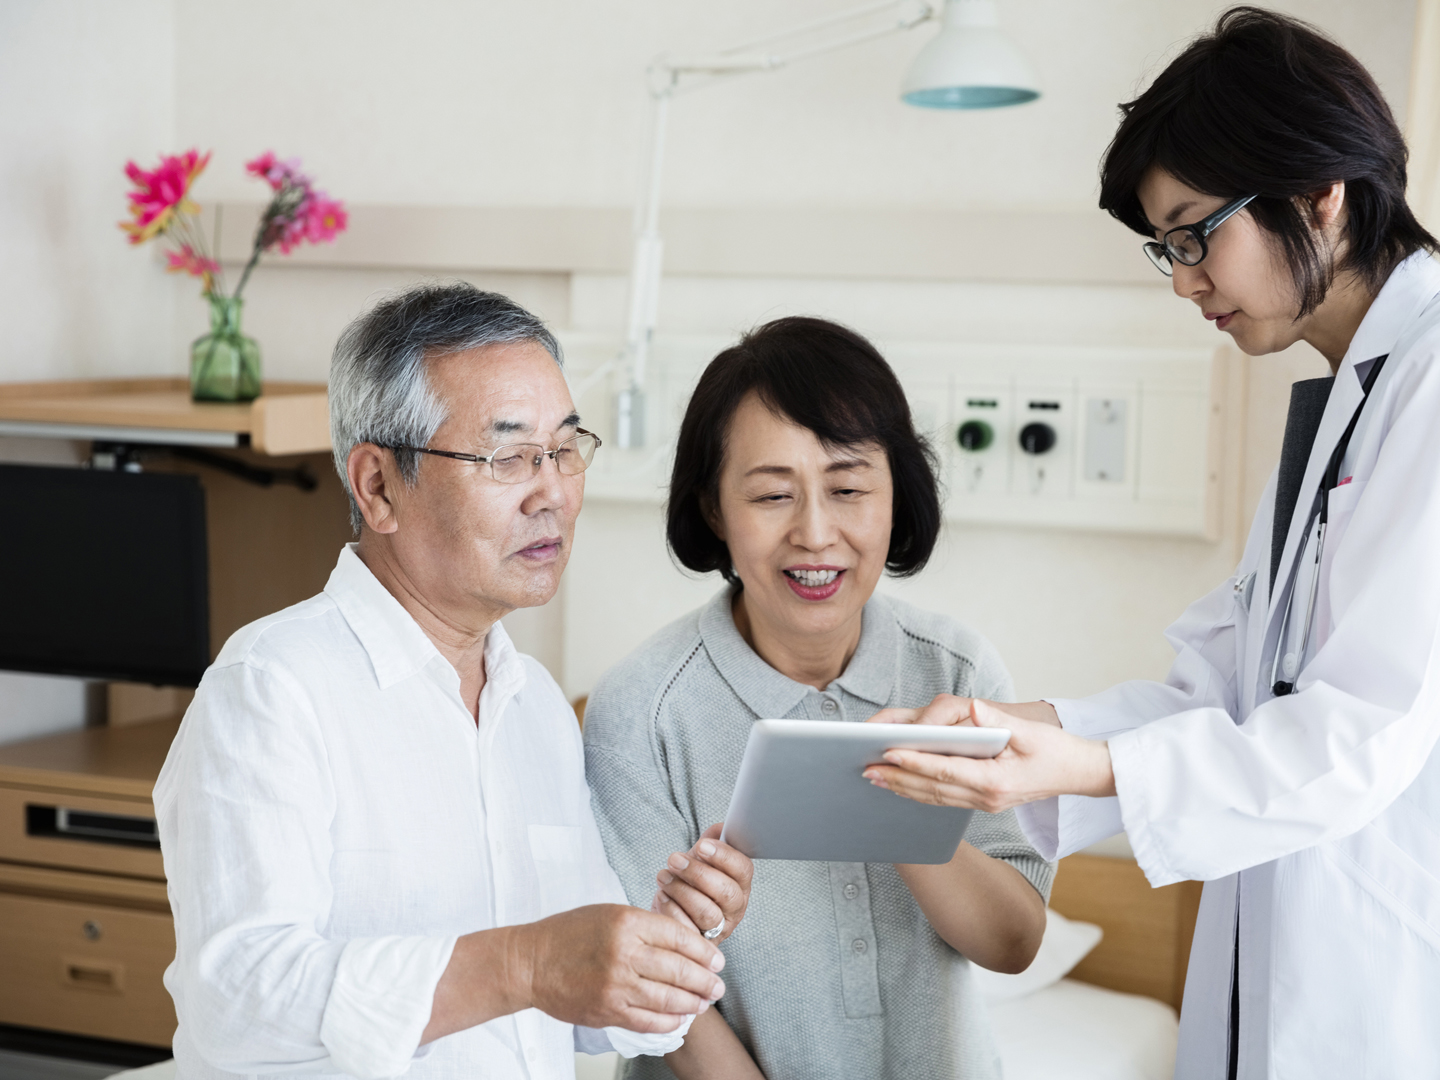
point(814, 582)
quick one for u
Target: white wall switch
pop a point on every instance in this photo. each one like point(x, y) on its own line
point(1105, 440)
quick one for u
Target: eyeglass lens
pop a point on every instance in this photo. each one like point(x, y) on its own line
point(1185, 246)
point(1159, 256)
point(519, 463)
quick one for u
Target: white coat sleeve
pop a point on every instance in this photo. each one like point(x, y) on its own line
point(1204, 675)
point(244, 805)
point(1202, 797)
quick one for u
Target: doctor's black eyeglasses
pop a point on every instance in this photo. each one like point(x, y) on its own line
point(520, 463)
point(1185, 244)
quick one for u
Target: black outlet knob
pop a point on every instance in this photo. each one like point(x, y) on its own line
point(1037, 438)
point(975, 435)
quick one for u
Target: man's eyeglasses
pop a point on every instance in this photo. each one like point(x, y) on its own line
point(519, 463)
point(1185, 244)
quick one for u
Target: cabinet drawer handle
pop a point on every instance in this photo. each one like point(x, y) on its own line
point(82, 974)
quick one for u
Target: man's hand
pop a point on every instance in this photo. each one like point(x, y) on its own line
point(1041, 759)
point(708, 883)
point(608, 964)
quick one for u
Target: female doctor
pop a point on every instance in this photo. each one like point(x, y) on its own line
point(1288, 759)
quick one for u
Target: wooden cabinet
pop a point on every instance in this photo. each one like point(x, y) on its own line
point(88, 968)
point(85, 927)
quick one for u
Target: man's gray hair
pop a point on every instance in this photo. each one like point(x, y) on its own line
point(378, 389)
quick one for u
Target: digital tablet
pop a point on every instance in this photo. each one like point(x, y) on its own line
point(800, 793)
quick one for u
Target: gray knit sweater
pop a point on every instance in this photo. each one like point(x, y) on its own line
point(835, 972)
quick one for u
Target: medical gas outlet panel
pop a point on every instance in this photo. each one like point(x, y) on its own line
point(1110, 439)
point(1114, 439)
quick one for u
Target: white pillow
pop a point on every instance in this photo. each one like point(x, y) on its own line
point(1064, 945)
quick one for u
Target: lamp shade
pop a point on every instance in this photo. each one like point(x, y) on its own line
point(969, 64)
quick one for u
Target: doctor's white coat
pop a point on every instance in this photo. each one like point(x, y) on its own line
point(1314, 818)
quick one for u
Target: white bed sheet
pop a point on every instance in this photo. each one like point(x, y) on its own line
point(1067, 1031)
point(1074, 1031)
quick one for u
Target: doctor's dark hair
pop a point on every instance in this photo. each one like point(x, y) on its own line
point(823, 377)
point(1267, 105)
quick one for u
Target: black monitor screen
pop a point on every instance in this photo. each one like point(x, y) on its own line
point(103, 575)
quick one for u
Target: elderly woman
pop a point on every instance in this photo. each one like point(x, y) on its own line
point(799, 478)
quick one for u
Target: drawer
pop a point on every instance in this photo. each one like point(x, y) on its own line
point(86, 969)
point(28, 835)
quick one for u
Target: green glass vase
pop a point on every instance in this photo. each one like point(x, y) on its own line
point(225, 364)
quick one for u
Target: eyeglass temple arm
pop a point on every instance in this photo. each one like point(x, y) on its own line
point(1224, 214)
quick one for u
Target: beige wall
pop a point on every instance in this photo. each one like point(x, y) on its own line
point(453, 103)
point(542, 103)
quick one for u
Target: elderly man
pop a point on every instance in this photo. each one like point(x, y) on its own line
point(375, 822)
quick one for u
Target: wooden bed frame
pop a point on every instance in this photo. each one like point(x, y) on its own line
point(1146, 947)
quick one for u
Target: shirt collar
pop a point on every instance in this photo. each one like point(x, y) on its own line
point(1410, 287)
point(504, 669)
point(870, 675)
point(393, 640)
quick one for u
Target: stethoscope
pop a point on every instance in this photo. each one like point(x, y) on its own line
point(1289, 666)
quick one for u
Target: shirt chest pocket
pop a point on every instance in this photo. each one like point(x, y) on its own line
point(559, 867)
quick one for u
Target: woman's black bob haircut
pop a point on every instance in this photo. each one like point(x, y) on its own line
point(1267, 105)
point(823, 377)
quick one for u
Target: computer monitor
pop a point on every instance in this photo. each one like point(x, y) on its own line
point(103, 575)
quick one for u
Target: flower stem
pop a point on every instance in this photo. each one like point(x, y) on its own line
point(249, 266)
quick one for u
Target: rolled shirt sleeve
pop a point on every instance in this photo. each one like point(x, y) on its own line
point(380, 1002)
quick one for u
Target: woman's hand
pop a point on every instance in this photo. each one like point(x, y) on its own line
point(1040, 761)
point(709, 882)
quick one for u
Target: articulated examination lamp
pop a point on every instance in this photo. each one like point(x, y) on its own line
point(969, 64)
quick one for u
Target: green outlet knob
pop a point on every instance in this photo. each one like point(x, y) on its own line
point(975, 435)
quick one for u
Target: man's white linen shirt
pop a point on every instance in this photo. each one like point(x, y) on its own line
point(332, 818)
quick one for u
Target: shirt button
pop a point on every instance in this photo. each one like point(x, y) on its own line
point(851, 892)
point(859, 945)
point(530, 1054)
point(828, 706)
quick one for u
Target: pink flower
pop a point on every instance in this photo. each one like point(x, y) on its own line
point(160, 193)
point(188, 261)
point(324, 218)
point(277, 173)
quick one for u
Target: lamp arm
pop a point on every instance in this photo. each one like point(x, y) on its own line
point(755, 55)
point(666, 75)
point(825, 22)
point(648, 256)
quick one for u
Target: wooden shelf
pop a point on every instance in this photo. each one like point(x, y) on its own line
point(288, 418)
point(102, 761)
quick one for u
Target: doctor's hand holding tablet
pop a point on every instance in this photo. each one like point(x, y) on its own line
point(1040, 761)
